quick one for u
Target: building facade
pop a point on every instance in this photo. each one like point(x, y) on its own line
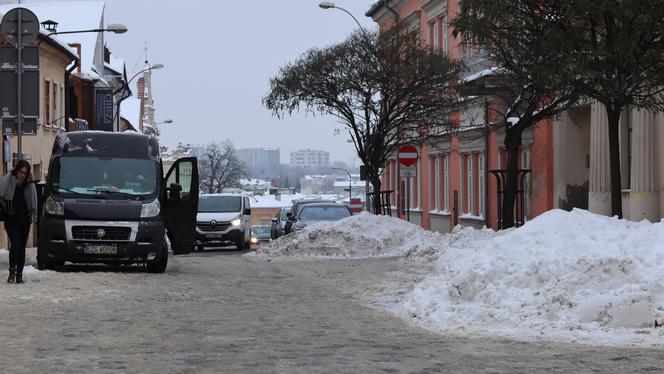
point(310, 159)
point(568, 156)
point(261, 162)
point(453, 183)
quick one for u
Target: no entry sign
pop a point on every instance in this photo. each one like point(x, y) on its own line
point(407, 155)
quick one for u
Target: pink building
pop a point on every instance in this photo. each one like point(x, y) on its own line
point(453, 183)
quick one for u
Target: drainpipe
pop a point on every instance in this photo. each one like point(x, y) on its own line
point(396, 14)
point(67, 100)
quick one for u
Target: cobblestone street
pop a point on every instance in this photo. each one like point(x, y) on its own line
point(223, 312)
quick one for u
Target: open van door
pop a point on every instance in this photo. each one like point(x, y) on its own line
point(181, 204)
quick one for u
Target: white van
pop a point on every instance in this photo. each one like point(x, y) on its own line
point(223, 219)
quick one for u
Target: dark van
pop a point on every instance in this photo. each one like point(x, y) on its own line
point(107, 201)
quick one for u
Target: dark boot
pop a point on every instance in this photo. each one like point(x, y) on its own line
point(19, 277)
point(12, 276)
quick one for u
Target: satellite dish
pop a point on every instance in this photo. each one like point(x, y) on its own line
point(29, 26)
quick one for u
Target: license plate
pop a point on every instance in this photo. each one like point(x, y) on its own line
point(213, 236)
point(101, 249)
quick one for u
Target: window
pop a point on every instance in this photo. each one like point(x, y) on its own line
point(56, 107)
point(470, 195)
point(480, 180)
point(525, 164)
point(62, 106)
point(444, 35)
point(436, 35)
point(418, 179)
point(47, 103)
point(435, 188)
point(446, 188)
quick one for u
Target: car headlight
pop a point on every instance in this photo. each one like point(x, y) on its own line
point(53, 207)
point(254, 240)
point(151, 209)
point(236, 222)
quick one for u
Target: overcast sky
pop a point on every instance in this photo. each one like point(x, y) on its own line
point(219, 56)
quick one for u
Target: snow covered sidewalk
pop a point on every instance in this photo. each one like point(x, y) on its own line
point(570, 276)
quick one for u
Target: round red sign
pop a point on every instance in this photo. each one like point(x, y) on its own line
point(407, 155)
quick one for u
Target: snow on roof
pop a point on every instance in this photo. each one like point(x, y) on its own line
point(130, 109)
point(480, 74)
point(72, 16)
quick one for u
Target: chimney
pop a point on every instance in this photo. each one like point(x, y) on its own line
point(107, 55)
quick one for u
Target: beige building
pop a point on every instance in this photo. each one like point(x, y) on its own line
point(54, 58)
point(581, 165)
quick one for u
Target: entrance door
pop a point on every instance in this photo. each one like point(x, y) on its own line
point(181, 204)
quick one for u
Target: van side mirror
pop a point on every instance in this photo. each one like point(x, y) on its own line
point(174, 191)
point(289, 215)
point(247, 212)
point(274, 220)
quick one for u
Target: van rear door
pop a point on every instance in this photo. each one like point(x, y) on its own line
point(181, 204)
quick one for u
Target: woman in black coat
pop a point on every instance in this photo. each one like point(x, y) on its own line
point(18, 201)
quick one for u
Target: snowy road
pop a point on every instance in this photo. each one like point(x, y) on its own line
point(222, 312)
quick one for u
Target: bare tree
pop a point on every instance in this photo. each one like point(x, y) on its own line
point(220, 167)
point(523, 39)
point(386, 89)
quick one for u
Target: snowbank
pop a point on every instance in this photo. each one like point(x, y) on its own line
point(358, 236)
point(564, 275)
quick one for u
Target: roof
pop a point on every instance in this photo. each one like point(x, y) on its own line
point(375, 8)
point(71, 16)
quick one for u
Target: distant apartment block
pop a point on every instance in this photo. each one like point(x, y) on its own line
point(309, 159)
point(260, 160)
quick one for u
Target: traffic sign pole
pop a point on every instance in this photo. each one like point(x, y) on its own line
point(408, 156)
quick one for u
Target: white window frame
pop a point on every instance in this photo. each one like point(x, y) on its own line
point(445, 35)
point(436, 183)
point(446, 191)
point(525, 164)
point(419, 184)
point(471, 186)
point(436, 34)
point(480, 180)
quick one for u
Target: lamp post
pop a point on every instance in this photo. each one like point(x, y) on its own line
point(125, 86)
point(350, 184)
point(331, 5)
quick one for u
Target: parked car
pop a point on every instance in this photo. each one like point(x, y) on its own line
point(319, 212)
point(223, 219)
point(261, 234)
point(107, 201)
point(296, 207)
point(279, 223)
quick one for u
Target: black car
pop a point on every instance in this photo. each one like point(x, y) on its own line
point(279, 223)
point(319, 212)
point(296, 207)
point(107, 201)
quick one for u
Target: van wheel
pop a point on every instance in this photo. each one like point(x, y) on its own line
point(159, 265)
point(247, 245)
point(42, 262)
point(240, 244)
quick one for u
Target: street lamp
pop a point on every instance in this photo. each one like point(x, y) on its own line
point(331, 5)
point(350, 184)
point(116, 28)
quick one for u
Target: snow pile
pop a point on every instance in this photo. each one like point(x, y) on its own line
point(362, 235)
point(564, 275)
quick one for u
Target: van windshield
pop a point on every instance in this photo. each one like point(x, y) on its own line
point(105, 176)
point(219, 204)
